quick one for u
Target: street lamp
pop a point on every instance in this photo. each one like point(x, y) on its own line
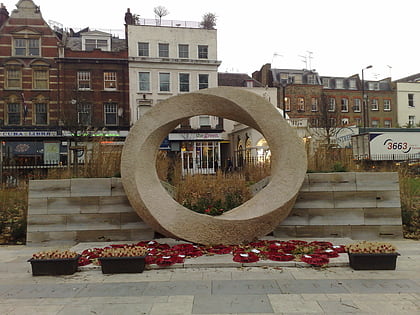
point(283, 84)
point(364, 101)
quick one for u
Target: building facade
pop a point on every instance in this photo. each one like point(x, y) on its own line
point(408, 98)
point(29, 106)
point(167, 59)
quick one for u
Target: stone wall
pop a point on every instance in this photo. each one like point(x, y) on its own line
point(355, 205)
point(361, 205)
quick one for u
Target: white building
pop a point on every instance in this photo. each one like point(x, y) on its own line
point(408, 100)
point(167, 58)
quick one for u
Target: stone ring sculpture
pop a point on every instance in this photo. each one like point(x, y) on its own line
point(253, 219)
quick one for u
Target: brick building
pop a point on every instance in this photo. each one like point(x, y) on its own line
point(309, 96)
point(29, 106)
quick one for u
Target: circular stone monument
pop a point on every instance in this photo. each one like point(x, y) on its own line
point(253, 219)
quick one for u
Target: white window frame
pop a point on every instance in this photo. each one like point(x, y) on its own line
point(25, 47)
point(143, 51)
point(184, 86)
point(344, 105)
point(96, 43)
point(183, 51)
point(357, 105)
point(287, 104)
point(144, 85)
point(203, 85)
point(410, 100)
point(387, 105)
point(203, 52)
point(110, 109)
point(84, 114)
point(339, 83)
point(110, 80)
point(326, 82)
point(314, 104)
point(374, 104)
point(41, 114)
point(387, 123)
point(300, 104)
point(164, 80)
point(163, 50)
point(83, 80)
point(352, 84)
point(331, 104)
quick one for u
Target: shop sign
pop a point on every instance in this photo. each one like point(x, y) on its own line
point(194, 136)
point(34, 133)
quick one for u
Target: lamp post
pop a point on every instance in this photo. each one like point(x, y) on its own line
point(364, 101)
point(283, 84)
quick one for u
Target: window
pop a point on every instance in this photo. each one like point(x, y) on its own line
point(164, 50)
point(26, 47)
point(339, 83)
point(91, 44)
point(344, 121)
point(410, 100)
point(387, 105)
point(204, 121)
point(110, 110)
point(375, 123)
point(356, 105)
point(164, 82)
point(331, 105)
point(40, 78)
point(332, 121)
point(311, 79)
point(83, 80)
point(143, 49)
point(314, 104)
point(287, 104)
point(374, 86)
point(41, 114)
point(326, 82)
point(184, 82)
point(300, 104)
point(411, 120)
point(183, 51)
point(344, 104)
point(14, 78)
point(110, 80)
point(203, 81)
point(352, 84)
point(13, 114)
point(84, 114)
point(144, 81)
point(203, 51)
point(387, 123)
point(314, 122)
point(358, 121)
point(374, 104)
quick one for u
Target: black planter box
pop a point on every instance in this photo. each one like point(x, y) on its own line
point(54, 267)
point(122, 264)
point(373, 261)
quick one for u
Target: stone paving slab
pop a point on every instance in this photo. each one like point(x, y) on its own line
point(237, 287)
point(311, 286)
point(231, 304)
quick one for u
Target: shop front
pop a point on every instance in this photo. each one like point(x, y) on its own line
point(200, 152)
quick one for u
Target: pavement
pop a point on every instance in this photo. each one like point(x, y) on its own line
point(213, 285)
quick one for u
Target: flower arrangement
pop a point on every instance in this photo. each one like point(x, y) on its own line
point(55, 254)
point(125, 251)
point(365, 247)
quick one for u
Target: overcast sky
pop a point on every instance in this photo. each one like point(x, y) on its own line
point(341, 37)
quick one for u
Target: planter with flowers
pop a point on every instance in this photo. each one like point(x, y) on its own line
point(372, 256)
point(126, 259)
point(54, 262)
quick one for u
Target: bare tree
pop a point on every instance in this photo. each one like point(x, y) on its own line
point(209, 21)
point(326, 124)
point(160, 11)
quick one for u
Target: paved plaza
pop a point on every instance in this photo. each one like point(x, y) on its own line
point(213, 285)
